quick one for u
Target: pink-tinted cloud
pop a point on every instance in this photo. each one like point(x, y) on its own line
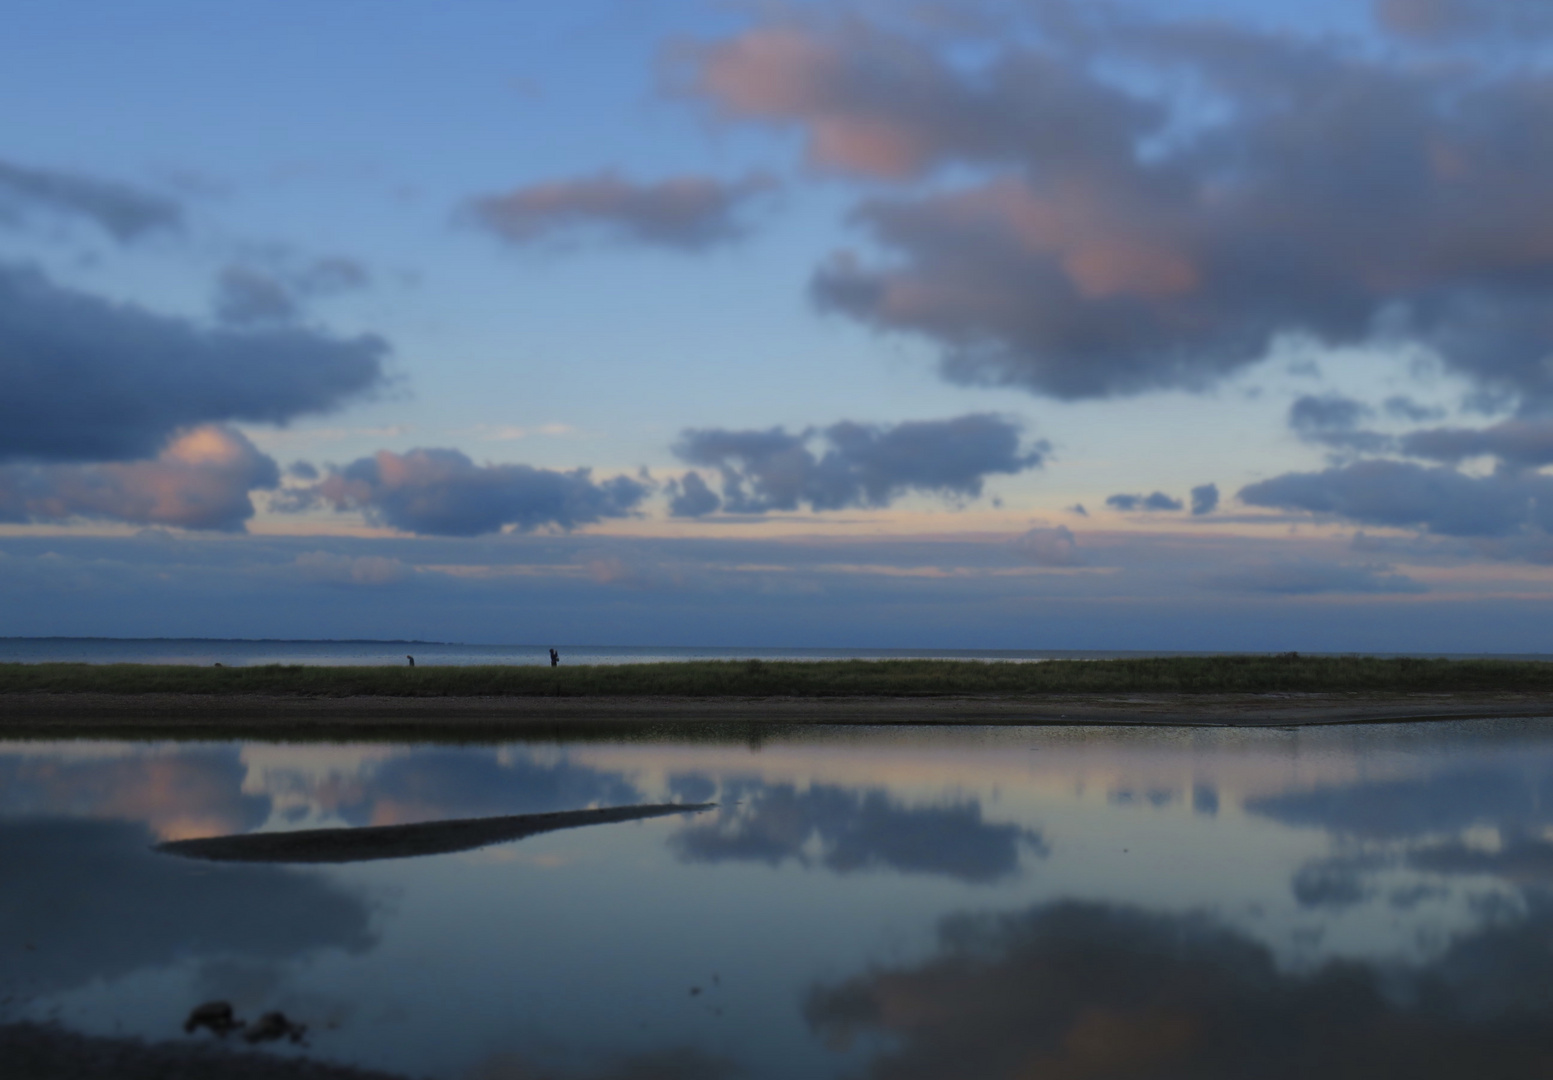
point(202, 480)
point(1434, 20)
point(1091, 234)
point(880, 104)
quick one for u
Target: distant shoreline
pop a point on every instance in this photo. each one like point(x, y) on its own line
point(484, 719)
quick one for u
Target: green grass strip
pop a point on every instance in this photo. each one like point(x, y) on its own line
point(1290, 673)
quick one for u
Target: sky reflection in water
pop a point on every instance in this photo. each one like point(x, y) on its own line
point(998, 903)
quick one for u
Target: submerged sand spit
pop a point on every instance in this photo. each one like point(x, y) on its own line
point(406, 841)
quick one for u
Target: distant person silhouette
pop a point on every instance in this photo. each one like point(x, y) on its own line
point(555, 658)
point(410, 658)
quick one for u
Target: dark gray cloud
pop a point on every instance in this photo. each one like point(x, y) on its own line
point(863, 464)
point(439, 492)
point(1404, 495)
point(84, 379)
point(1114, 240)
point(1329, 412)
point(201, 480)
point(689, 496)
point(689, 212)
point(1333, 420)
point(1154, 503)
point(1308, 577)
point(855, 830)
point(1048, 547)
point(1402, 407)
point(124, 212)
point(1205, 499)
point(72, 888)
point(248, 295)
point(1522, 444)
point(1106, 992)
point(245, 296)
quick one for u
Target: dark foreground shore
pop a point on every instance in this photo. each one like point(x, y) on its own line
point(31, 1051)
point(195, 716)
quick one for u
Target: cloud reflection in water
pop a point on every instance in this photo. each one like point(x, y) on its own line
point(850, 829)
point(85, 900)
point(1100, 991)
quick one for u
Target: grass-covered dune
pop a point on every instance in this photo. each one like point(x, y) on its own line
point(1240, 674)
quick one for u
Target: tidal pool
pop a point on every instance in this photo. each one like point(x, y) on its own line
point(1076, 902)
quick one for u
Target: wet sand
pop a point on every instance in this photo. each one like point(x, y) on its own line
point(44, 715)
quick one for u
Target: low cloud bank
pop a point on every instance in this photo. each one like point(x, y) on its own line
point(1405, 495)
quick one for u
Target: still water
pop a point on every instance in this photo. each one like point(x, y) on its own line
point(879, 903)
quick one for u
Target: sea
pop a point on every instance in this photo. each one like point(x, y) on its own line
point(236, 652)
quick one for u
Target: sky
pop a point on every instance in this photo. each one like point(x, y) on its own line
point(1047, 324)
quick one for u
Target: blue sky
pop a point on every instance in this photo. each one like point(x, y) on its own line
point(693, 323)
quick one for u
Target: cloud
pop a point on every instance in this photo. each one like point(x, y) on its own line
point(247, 295)
point(688, 212)
point(124, 212)
point(201, 480)
point(1404, 495)
point(1403, 407)
point(1154, 503)
point(439, 492)
point(881, 105)
point(1100, 229)
point(1443, 20)
point(1333, 420)
point(864, 464)
point(89, 380)
point(856, 830)
point(1307, 577)
point(1330, 412)
point(689, 496)
point(1205, 499)
point(1048, 547)
point(1522, 444)
point(1104, 992)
